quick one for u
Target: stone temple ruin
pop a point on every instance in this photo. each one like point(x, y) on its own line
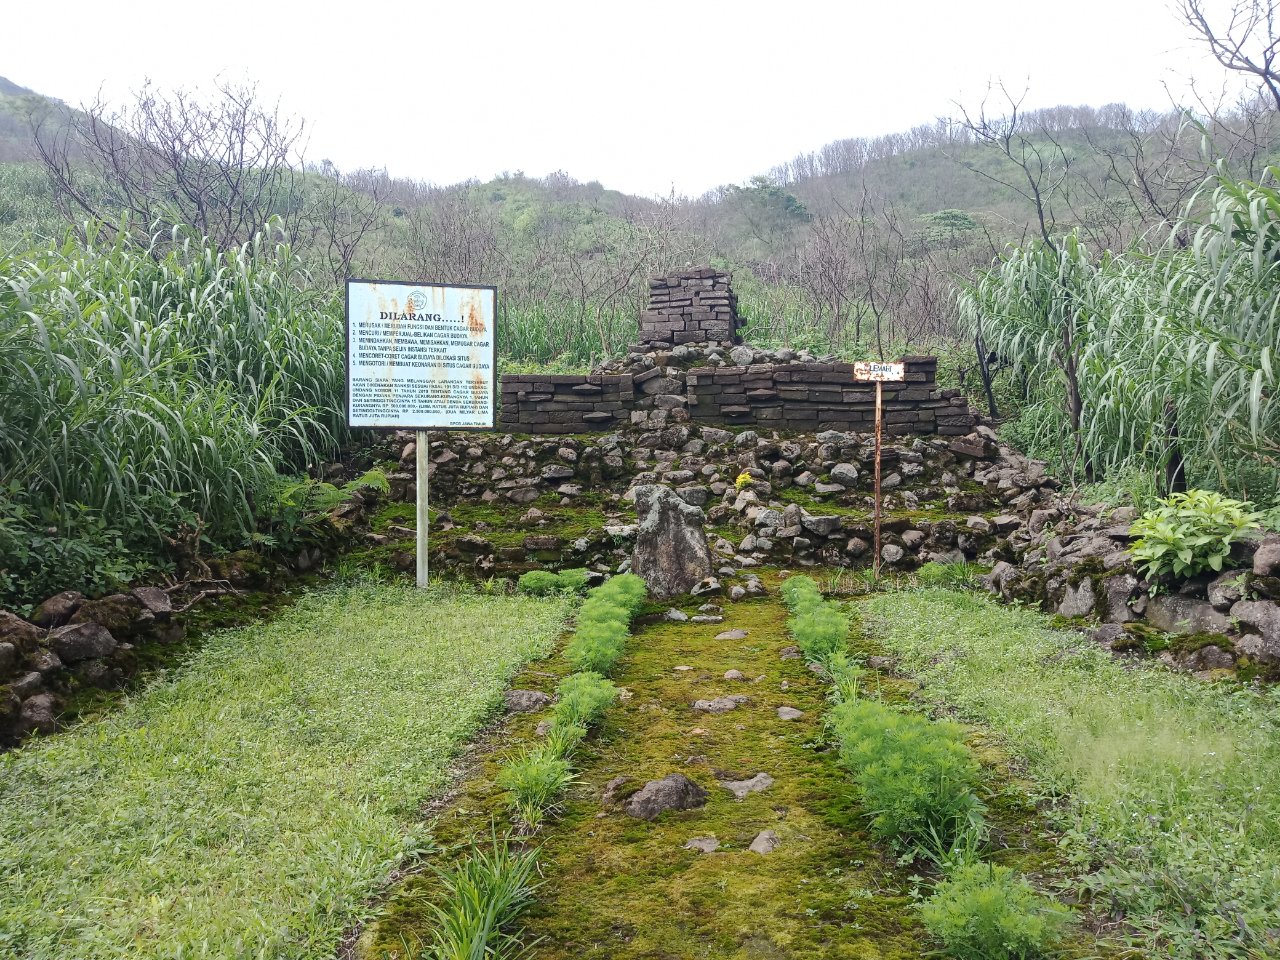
point(691, 366)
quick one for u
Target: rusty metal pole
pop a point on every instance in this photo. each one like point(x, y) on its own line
point(875, 560)
point(424, 458)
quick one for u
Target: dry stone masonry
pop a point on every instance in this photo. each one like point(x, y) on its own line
point(696, 306)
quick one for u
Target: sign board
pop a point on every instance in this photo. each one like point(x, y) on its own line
point(879, 370)
point(420, 356)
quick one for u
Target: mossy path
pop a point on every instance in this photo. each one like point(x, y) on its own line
point(621, 887)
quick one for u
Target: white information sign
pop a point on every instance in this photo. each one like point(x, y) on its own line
point(879, 370)
point(420, 356)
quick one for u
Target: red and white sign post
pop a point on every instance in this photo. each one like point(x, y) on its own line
point(879, 372)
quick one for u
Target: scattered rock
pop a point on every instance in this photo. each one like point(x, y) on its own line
point(706, 618)
point(678, 616)
point(789, 713)
point(892, 553)
point(979, 524)
point(766, 841)
point(675, 791)
point(732, 635)
point(880, 663)
point(740, 788)
point(526, 701)
point(9, 657)
point(1078, 600)
point(544, 727)
point(719, 704)
point(789, 653)
point(613, 789)
point(708, 587)
point(734, 675)
point(737, 593)
point(702, 844)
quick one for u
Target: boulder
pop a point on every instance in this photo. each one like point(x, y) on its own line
point(37, 716)
point(979, 524)
point(17, 631)
point(892, 553)
point(27, 684)
point(1177, 614)
point(81, 641)
point(1259, 628)
point(1078, 600)
point(121, 613)
point(1266, 560)
point(9, 657)
point(1107, 634)
point(789, 713)
point(525, 701)
point(1041, 518)
point(671, 552)
point(675, 791)
point(845, 473)
point(1225, 590)
point(822, 526)
point(155, 600)
point(856, 547)
point(1119, 589)
point(58, 609)
point(44, 661)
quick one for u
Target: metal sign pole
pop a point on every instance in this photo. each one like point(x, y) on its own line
point(424, 458)
point(876, 558)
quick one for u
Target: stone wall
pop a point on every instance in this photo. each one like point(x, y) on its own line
point(695, 306)
point(795, 396)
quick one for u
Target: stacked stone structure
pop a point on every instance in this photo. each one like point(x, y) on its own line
point(695, 306)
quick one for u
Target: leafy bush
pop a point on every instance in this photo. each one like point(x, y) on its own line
point(917, 777)
point(534, 781)
point(485, 893)
point(538, 583)
point(1189, 533)
point(985, 912)
point(584, 697)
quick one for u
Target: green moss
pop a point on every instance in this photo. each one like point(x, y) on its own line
point(619, 887)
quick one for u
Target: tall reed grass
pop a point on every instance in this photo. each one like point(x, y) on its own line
point(149, 380)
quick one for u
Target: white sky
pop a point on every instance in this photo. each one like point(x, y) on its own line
point(641, 96)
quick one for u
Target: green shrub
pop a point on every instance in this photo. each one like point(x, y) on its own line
point(596, 645)
point(985, 912)
point(563, 739)
point(597, 609)
point(534, 781)
point(917, 777)
point(538, 583)
point(574, 579)
point(627, 591)
point(584, 697)
point(820, 628)
point(1190, 533)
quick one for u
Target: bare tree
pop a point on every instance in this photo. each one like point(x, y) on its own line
point(225, 166)
point(1247, 41)
point(342, 211)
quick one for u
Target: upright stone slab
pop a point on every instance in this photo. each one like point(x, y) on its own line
point(671, 552)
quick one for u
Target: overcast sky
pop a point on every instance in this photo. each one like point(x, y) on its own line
point(641, 96)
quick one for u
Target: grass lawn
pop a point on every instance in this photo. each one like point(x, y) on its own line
point(247, 805)
point(1173, 783)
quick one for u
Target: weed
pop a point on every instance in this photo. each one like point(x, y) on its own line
point(485, 893)
point(986, 912)
point(535, 781)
